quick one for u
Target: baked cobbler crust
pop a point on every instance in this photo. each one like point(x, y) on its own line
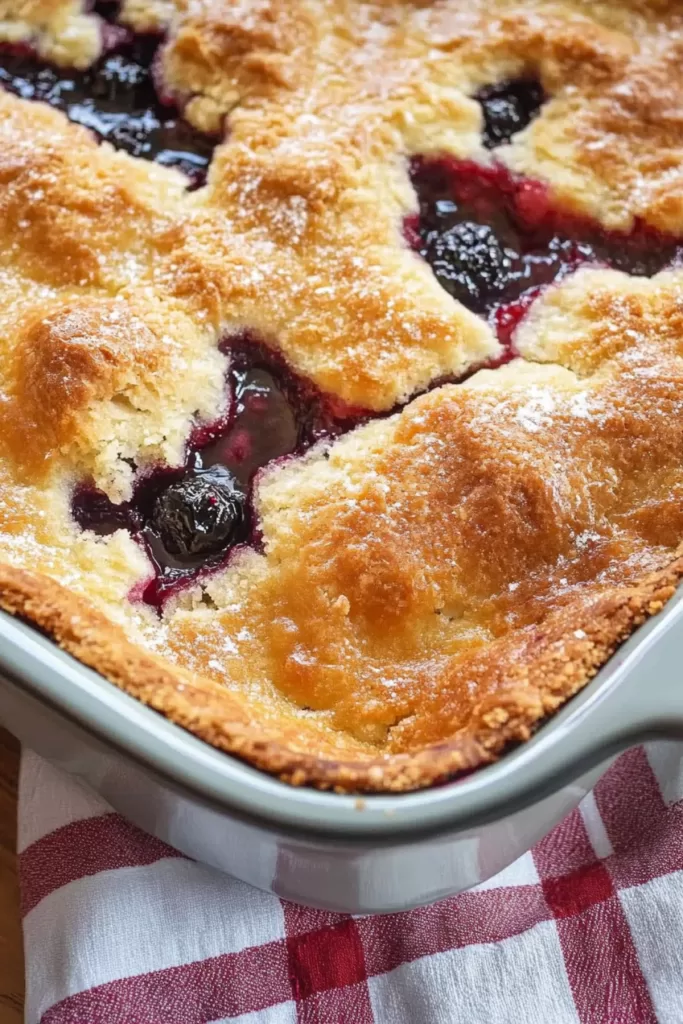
point(429, 587)
point(63, 31)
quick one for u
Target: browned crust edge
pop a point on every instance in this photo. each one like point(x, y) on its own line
point(555, 664)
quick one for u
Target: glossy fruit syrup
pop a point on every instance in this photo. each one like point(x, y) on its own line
point(494, 240)
point(117, 100)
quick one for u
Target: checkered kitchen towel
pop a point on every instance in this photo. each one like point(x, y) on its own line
point(588, 927)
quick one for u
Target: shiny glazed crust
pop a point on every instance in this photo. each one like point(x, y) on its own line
point(438, 581)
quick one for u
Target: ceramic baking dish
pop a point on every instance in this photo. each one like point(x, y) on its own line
point(374, 854)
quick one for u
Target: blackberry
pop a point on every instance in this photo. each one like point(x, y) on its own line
point(200, 515)
point(508, 108)
point(471, 263)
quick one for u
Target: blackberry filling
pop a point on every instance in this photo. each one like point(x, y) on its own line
point(117, 100)
point(493, 239)
point(188, 520)
point(508, 107)
point(200, 515)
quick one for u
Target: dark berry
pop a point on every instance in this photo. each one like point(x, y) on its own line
point(199, 515)
point(508, 108)
point(470, 262)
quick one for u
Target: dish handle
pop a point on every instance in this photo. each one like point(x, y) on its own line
point(638, 697)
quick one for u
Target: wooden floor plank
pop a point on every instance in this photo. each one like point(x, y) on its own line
point(11, 953)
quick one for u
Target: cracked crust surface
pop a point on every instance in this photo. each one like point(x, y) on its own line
point(438, 581)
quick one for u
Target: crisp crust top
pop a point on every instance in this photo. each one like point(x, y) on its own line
point(436, 582)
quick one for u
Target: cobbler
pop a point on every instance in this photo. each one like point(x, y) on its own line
point(341, 390)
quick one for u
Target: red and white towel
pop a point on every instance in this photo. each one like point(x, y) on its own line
point(588, 927)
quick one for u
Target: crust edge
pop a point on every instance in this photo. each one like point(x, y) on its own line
point(561, 665)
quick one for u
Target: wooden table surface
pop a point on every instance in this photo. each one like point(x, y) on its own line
point(11, 955)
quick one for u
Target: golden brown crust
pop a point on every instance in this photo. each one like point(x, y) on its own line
point(437, 582)
point(568, 649)
point(608, 142)
point(83, 352)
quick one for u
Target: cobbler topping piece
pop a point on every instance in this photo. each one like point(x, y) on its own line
point(607, 140)
point(600, 318)
point(68, 32)
point(88, 380)
point(117, 100)
point(199, 516)
point(508, 107)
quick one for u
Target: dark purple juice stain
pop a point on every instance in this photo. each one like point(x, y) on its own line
point(117, 100)
point(189, 520)
point(495, 240)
